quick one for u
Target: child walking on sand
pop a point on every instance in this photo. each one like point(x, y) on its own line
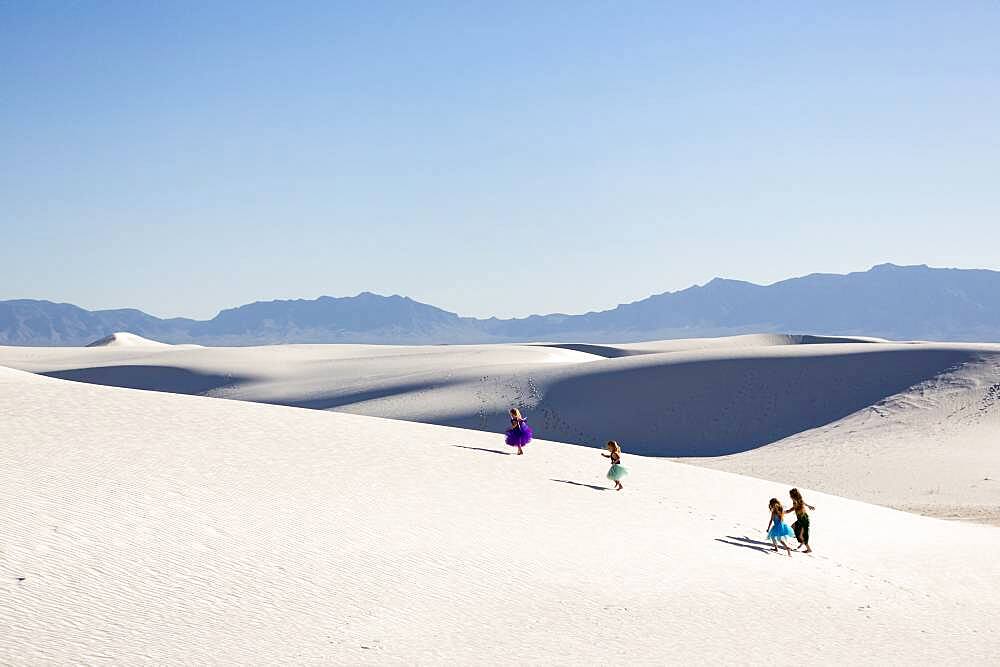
point(617, 470)
point(777, 529)
point(519, 433)
point(801, 525)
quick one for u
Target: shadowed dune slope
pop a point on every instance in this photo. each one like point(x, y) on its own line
point(721, 397)
point(717, 404)
point(150, 378)
point(612, 351)
point(931, 448)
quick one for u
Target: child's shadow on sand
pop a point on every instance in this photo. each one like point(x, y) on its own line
point(746, 543)
point(589, 486)
point(481, 449)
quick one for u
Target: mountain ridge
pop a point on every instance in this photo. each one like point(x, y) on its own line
point(887, 301)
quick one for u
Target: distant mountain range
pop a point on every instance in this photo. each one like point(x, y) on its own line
point(889, 301)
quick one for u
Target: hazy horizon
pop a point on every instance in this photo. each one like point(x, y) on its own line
point(566, 312)
point(491, 161)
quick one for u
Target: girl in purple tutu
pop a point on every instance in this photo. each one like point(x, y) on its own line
point(519, 433)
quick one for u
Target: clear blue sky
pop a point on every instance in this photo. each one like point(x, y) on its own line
point(487, 157)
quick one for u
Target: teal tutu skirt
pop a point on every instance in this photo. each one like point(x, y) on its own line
point(778, 531)
point(617, 472)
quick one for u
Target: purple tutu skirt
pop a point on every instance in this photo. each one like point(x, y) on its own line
point(519, 436)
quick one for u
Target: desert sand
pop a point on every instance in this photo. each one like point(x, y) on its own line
point(912, 426)
point(148, 527)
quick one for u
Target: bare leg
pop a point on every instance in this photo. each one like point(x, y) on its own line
point(785, 544)
point(519, 450)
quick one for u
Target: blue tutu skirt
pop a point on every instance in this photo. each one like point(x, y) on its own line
point(519, 436)
point(617, 472)
point(779, 531)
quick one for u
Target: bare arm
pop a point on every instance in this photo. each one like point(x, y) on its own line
point(607, 456)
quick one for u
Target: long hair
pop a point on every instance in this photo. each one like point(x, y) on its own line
point(776, 508)
point(797, 502)
point(515, 414)
point(614, 447)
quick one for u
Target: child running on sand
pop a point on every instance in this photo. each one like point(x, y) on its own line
point(617, 470)
point(519, 433)
point(777, 529)
point(801, 525)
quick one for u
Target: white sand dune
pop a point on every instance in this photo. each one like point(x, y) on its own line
point(672, 398)
point(932, 449)
point(669, 398)
point(724, 342)
point(147, 527)
point(126, 339)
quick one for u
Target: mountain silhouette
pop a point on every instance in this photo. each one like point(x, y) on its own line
point(888, 301)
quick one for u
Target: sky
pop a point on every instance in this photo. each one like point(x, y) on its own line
point(488, 158)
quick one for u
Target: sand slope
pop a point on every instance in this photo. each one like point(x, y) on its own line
point(126, 339)
point(724, 342)
point(673, 398)
point(933, 448)
point(158, 528)
point(700, 398)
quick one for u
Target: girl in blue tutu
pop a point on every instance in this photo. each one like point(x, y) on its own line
point(617, 470)
point(777, 529)
point(519, 433)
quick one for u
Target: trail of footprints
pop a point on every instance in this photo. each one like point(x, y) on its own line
point(527, 397)
point(991, 398)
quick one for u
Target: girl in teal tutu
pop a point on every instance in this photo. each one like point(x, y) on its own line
point(617, 470)
point(777, 529)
